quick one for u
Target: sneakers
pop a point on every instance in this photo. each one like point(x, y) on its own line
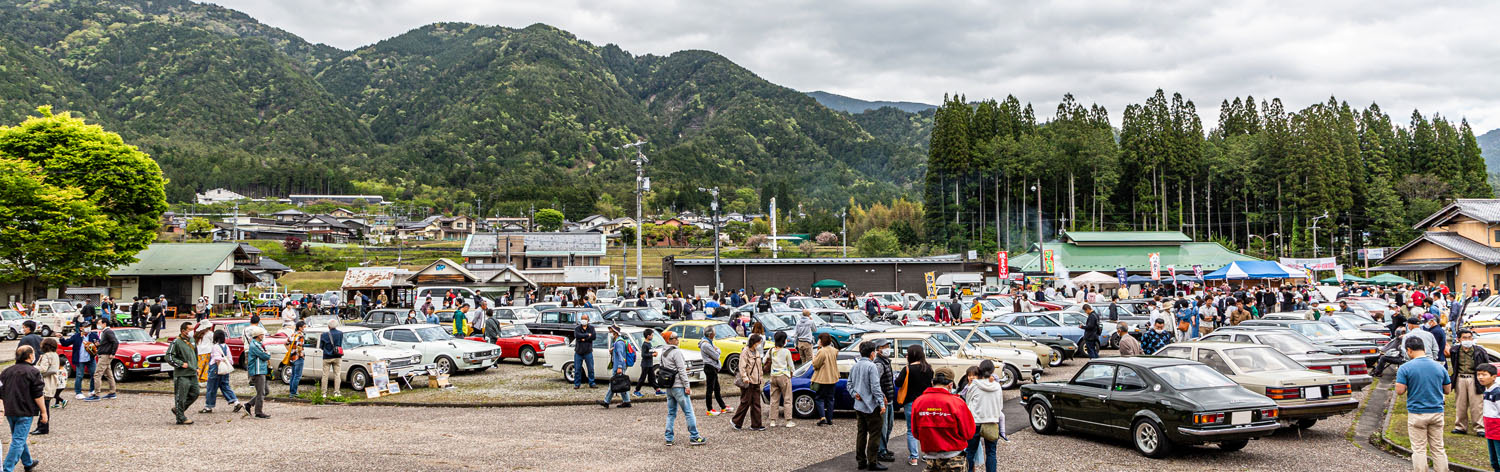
point(727, 409)
point(603, 403)
point(758, 429)
point(638, 394)
point(696, 442)
point(205, 411)
point(263, 416)
point(737, 427)
point(237, 406)
point(773, 424)
point(624, 405)
point(660, 393)
point(92, 398)
point(109, 397)
point(669, 442)
point(716, 412)
point(789, 423)
point(79, 396)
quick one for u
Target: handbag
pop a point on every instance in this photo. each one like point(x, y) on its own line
point(765, 367)
point(901, 394)
point(1183, 326)
point(619, 383)
point(990, 431)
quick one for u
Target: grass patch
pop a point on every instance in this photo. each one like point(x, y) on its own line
point(317, 398)
point(1466, 449)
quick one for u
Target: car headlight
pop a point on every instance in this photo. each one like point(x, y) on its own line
point(417, 359)
point(135, 357)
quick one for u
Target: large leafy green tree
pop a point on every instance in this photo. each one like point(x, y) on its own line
point(79, 201)
point(548, 219)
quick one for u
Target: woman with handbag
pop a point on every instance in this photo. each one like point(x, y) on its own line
point(748, 381)
point(825, 377)
point(985, 399)
point(219, 369)
point(779, 367)
point(914, 379)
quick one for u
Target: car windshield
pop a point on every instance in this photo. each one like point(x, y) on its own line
point(514, 330)
point(133, 336)
point(979, 335)
point(651, 314)
point(858, 317)
point(356, 339)
point(234, 330)
point(433, 333)
point(723, 331)
point(1316, 330)
point(998, 331)
point(607, 293)
point(1192, 376)
point(996, 303)
point(9, 315)
point(771, 322)
point(1251, 360)
point(1342, 323)
point(1287, 343)
point(319, 320)
point(947, 341)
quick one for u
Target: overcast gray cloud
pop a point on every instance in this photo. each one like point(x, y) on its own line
point(1437, 57)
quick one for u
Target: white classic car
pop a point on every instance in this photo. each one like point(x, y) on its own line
point(362, 350)
point(448, 353)
point(10, 322)
point(560, 357)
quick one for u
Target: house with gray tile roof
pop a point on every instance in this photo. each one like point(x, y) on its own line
point(1459, 246)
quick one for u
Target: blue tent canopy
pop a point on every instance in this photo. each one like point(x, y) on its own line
point(1243, 270)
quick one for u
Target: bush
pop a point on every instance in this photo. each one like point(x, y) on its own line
point(827, 239)
point(877, 243)
point(807, 248)
point(754, 243)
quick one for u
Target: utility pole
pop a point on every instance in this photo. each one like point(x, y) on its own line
point(1040, 239)
point(774, 247)
point(1315, 232)
point(235, 233)
point(642, 185)
point(718, 283)
point(844, 231)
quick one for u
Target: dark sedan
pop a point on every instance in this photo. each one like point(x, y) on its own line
point(561, 321)
point(643, 317)
point(383, 318)
point(1155, 402)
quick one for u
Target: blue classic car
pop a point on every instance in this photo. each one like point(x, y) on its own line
point(843, 334)
point(1040, 324)
point(802, 392)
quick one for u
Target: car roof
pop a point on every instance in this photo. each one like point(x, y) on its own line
point(572, 309)
point(918, 329)
point(1143, 361)
point(1219, 344)
point(897, 334)
point(344, 328)
point(698, 323)
point(411, 326)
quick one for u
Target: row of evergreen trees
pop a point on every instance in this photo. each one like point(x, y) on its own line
point(1260, 179)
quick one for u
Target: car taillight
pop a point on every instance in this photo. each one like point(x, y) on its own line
point(1368, 351)
point(1359, 369)
point(1208, 418)
point(1341, 389)
point(1322, 368)
point(1270, 413)
point(1289, 393)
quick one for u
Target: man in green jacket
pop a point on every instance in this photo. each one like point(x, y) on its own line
point(183, 358)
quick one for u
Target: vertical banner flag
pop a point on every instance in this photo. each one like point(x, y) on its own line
point(1338, 273)
point(1123, 276)
point(1155, 266)
point(1198, 271)
point(1002, 263)
point(1172, 272)
point(1047, 263)
point(931, 279)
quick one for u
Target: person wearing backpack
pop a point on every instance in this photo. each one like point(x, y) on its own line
point(621, 357)
point(749, 381)
point(673, 373)
point(648, 369)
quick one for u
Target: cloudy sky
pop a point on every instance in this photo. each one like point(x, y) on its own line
point(1439, 58)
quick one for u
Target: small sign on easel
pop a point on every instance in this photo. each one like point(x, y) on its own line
point(372, 392)
point(438, 381)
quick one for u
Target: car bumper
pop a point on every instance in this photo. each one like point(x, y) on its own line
point(1036, 375)
point(480, 363)
point(1201, 435)
point(1359, 382)
point(1316, 410)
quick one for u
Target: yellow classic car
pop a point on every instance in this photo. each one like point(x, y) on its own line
point(726, 339)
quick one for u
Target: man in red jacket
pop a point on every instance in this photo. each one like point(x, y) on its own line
point(942, 423)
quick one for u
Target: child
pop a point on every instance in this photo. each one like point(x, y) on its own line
point(1485, 375)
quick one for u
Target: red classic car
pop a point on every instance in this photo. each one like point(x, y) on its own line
point(139, 354)
point(517, 342)
point(235, 329)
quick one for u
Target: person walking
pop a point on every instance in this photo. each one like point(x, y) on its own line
point(1092, 329)
point(52, 377)
point(289, 317)
point(184, 361)
point(461, 321)
point(711, 367)
point(680, 392)
point(158, 316)
point(256, 359)
point(804, 332)
point(869, 405)
point(985, 399)
point(749, 380)
point(295, 356)
point(218, 374)
point(825, 377)
point(1424, 382)
point(1467, 393)
point(108, 345)
point(648, 364)
point(781, 381)
point(492, 329)
point(619, 352)
point(915, 378)
point(583, 352)
point(85, 349)
point(332, 343)
point(22, 391)
point(943, 426)
point(203, 340)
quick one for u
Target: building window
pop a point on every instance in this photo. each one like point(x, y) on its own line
point(223, 294)
point(1497, 236)
point(539, 262)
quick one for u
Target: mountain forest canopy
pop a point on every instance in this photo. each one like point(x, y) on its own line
point(1256, 179)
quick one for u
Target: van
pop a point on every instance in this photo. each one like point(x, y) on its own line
point(465, 295)
point(966, 283)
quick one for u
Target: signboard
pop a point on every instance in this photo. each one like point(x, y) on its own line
point(973, 255)
point(1122, 275)
point(931, 279)
point(1374, 253)
point(1320, 263)
point(1338, 273)
point(1198, 271)
point(380, 373)
point(1047, 262)
point(1155, 266)
point(1002, 263)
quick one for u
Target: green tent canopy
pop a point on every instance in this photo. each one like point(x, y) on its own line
point(1347, 278)
point(1390, 279)
point(772, 290)
point(827, 283)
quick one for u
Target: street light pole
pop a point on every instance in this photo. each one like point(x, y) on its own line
point(718, 283)
point(844, 231)
point(1315, 232)
point(641, 186)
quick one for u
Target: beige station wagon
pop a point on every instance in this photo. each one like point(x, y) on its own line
point(1304, 396)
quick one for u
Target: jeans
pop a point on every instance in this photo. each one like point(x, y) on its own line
point(295, 377)
point(677, 398)
point(914, 449)
point(624, 396)
point(973, 451)
point(886, 422)
point(81, 371)
point(20, 428)
point(1090, 345)
point(1494, 453)
point(579, 374)
point(216, 383)
point(824, 401)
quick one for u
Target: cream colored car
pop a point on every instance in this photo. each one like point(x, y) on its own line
point(939, 355)
point(977, 337)
point(1304, 396)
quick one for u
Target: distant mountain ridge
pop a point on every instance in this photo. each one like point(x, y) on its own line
point(855, 105)
point(1489, 147)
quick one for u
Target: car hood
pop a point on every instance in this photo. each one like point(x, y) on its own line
point(846, 327)
point(378, 352)
point(464, 345)
point(1363, 336)
point(540, 338)
point(1226, 398)
point(144, 349)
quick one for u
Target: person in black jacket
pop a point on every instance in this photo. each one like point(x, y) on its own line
point(648, 372)
point(888, 387)
point(1463, 357)
point(21, 388)
point(1091, 331)
point(30, 338)
point(915, 378)
point(108, 345)
point(583, 352)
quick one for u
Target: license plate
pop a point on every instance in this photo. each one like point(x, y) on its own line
point(1339, 370)
point(1312, 393)
point(1239, 417)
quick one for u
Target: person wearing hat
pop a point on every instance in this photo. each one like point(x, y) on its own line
point(942, 424)
point(256, 366)
point(619, 349)
point(1414, 330)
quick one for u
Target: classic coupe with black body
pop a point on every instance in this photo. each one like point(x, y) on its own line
point(1156, 402)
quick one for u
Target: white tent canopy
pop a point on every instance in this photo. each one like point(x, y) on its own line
point(1096, 278)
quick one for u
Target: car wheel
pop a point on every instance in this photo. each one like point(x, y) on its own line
point(286, 374)
point(803, 405)
point(1231, 446)
point(568, 374)
point(732, 364)
point(528, 356)
point(1306, 423)
point(11, 335)
point(46, 331)
point(445, 365)
point(117, 369)
point(359, 379)
point(1010, 377)
point(1149, 439)
point(1057, 357)
point(1041, 418)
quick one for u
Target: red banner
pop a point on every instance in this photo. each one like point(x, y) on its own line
point(1002, 261)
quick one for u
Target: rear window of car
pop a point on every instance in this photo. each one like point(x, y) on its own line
point(1192, 376)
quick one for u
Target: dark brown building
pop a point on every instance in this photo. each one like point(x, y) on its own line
point(875, 274)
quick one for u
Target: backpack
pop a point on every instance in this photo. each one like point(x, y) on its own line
point(666, 377)
point(629, 354)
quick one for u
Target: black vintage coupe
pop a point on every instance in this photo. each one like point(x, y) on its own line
point(1156, 402)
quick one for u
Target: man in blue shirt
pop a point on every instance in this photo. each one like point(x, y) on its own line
point(1424, 382)
point(869, 405)
point(1439, 337)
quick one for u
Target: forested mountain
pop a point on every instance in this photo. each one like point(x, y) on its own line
point(855, 105)
point(1489, 145)
point(449, 115)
